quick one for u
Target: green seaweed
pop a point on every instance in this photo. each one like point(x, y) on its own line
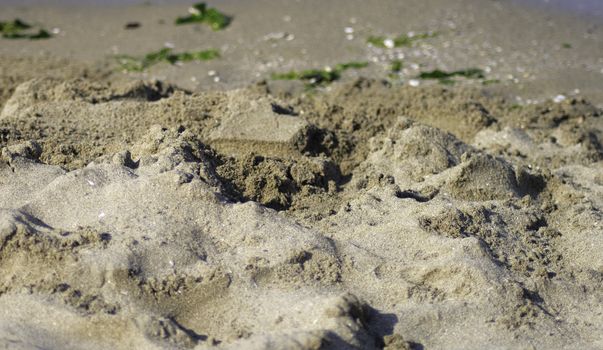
point(401, 40)
point(134, 64)
point(18, 29)
point(491, 81)
point(317, 77)
point(447, 81)
point(446, 78)
point(566, 45)
point(396, 66)
point(313, 77)
point(200, 13)
point(350, 65)
point(16, 25)
point(204, 55)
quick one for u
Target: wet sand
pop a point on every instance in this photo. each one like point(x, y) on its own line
point(521, 46)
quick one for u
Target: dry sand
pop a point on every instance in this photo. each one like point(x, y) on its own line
point(258, 215)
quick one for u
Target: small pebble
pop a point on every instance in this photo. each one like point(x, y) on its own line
point(132, 25)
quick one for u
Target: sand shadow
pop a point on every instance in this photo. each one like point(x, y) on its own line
point(381, 325)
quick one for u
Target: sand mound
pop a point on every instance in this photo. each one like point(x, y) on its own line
point(16, 70)
point(174, 266)
point(356, 219)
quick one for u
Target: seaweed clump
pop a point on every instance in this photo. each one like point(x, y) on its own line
point(200, 13)
point(135, 64)
point(447, 77)
point(18, 29)
point(318, 77)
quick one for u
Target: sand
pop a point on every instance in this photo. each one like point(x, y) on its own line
point(257, 214)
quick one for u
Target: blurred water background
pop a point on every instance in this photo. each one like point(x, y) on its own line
point(590, 8)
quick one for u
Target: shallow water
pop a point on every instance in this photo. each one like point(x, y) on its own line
point(592, 8)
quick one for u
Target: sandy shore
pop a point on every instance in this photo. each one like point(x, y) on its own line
point(443, 194)
point(525, 48)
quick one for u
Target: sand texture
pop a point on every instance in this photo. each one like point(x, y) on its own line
point(200, 205)
point(360, 229)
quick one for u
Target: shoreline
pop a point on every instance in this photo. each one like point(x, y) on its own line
point(526, 60)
